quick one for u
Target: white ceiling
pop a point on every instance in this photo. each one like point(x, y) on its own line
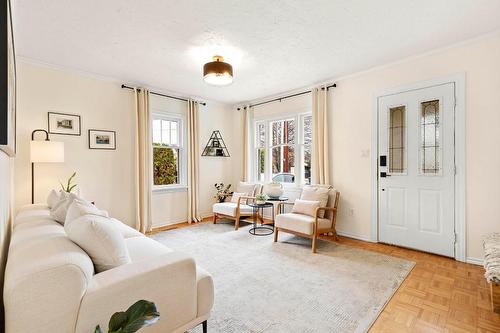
point(274, 45)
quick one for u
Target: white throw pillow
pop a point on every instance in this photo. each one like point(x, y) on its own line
point(102, 240)
point(248, 188)
point(305, 207)
point(53, 198)
point(237, 195)
point(316, 193)
point(58, 212)
point(80, 207)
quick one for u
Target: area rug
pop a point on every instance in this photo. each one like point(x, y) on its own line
point(262, 286)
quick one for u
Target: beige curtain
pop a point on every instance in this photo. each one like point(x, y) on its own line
point(193, 163)
point(247, 139)
point(144, 165)
point(320, 160)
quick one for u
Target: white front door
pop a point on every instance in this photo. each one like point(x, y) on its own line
point(416, 169)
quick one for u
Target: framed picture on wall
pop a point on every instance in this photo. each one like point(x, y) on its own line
point(64, 123)
point(102, 139)
point(8, 83)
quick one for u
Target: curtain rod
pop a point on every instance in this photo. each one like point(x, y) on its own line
point(285, 97)
point(163, 95)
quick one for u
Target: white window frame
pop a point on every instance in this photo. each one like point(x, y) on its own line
point(298, 148)
point(182, 139)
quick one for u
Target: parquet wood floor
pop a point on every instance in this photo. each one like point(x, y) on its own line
point(439, 295)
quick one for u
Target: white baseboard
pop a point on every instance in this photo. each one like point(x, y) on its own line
point(358, 237)
point(474, 261)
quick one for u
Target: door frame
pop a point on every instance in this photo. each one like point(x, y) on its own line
point(460, 163)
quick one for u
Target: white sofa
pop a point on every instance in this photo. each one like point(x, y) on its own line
point(50, 284)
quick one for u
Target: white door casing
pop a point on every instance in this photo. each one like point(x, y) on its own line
point(416, 200)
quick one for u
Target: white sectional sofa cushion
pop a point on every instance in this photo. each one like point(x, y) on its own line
point(50, 283)
point(101, 240)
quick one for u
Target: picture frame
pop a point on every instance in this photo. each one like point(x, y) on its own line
point(102, 139)
point(8, 81)
point(64, 123)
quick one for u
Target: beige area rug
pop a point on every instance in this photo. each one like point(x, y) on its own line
point(261, 286)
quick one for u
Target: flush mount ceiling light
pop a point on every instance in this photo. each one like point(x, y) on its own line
point(218, 72)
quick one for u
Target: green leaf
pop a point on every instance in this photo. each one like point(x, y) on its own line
point(117, 321)
point(141, 314)
point(72, 187)
point(97, 329)
point(62, 187)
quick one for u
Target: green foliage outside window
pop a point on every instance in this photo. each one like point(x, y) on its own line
point(165, 165)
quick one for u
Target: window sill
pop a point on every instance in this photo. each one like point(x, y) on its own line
point(170, 188)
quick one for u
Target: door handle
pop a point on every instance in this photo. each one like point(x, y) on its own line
point(384, 174)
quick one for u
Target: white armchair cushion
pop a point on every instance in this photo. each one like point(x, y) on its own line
point(101, 239)
point(237, 195)
point(229, 209)
point(248, 188)
point(300, 223)
point(316, 193)
point(305, 207)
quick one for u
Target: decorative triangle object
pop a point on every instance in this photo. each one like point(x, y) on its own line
point(216, 146)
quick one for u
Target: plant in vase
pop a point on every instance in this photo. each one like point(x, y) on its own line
point(140, 314)
point(69, 185)
point(261, 199)
point(222, 192)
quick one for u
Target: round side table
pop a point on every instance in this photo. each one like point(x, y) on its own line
point(261, 230)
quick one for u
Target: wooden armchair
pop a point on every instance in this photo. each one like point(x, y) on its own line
point(236, 209)
point(309, 226)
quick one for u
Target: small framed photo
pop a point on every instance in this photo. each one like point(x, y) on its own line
point(65, 124)
point(102, 139)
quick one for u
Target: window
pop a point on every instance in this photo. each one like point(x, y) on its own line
point(167, 151)
point(430, 154)
point(283, 150)
point(397, 138)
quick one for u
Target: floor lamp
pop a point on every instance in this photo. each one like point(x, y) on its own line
point(45, 151)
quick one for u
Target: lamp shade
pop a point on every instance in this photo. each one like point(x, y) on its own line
point(46, 151)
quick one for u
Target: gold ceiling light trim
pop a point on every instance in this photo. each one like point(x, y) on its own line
point(218, 72)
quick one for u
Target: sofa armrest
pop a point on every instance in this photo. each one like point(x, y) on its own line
point(169, 280)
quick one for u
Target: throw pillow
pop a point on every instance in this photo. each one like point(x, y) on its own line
point(248, 188)
point(59, 210)
point(316, 193)
point(103, 241)
point(80, 207)
point(53, 198)
point(305, 207)
point(237, 195)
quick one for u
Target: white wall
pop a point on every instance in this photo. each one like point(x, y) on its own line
point(170, 207)
point(351, 117)
point(6, 178)
point(107, 177)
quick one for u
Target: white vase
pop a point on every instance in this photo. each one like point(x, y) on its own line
point(260, 202)
point(274, 190)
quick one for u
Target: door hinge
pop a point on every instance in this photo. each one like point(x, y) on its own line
point(455, 170)
point(455, 238)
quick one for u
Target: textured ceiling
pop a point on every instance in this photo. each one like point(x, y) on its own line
point(274, 46)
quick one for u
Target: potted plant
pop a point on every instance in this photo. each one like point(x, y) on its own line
point(69, 186)
point(222, 192)
point(140, 314)
point(260, 199)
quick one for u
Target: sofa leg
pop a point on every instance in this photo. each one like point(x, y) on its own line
point(275, 234)
point(237, 223)
point(215, 218)
point(205, 328)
